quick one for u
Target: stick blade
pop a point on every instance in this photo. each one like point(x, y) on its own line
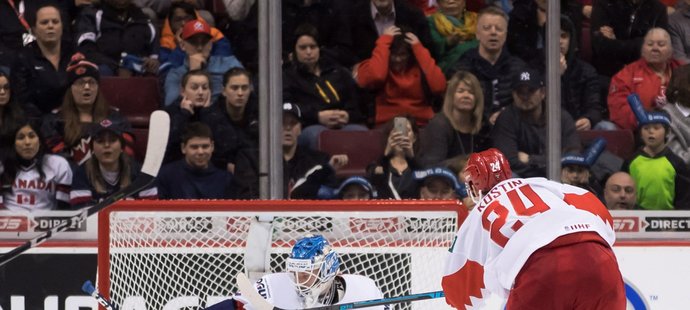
point(249, 292)
point(159, 129)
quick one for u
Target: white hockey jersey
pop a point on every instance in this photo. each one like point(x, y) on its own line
point(30, 192)
point(514, 219)
point(278, 290)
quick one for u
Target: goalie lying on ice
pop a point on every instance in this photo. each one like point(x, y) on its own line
point(312, 279)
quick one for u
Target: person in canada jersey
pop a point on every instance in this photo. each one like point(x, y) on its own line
point(538, 243)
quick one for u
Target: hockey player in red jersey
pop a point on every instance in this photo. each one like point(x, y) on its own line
point(538, 243)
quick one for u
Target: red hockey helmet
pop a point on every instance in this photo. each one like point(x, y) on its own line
point(486, 169)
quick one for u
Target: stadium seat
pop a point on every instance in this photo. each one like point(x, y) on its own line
point(619, 142)
point(141, 137)
point(361, 147)
point(586, 42)
point(136, 97)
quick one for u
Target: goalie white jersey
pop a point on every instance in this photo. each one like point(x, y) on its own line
point(278, 290)
point(514, 219)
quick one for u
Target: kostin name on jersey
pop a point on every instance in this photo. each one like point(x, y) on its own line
point(498, 190)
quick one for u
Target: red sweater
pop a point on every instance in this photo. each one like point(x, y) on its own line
point(400, 93)
point(636, 77)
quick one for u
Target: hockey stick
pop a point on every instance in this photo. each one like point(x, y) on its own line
point(248, 291)
point(88, 288)
point(159, 129)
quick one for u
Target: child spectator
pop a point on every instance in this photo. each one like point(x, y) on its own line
point(678, 108)
point(353, 188)
point(33, 180)
point(393, 174)
point(662, 178)
point(452, 32)
point(439, 183)
point(115, 27)
point(576, 169)
point(323, 89)
point(196, 43)
point(404, 75)
point(648, 77)
point(66, 129)
point(194, 177)
point(109, 169)
point(458, 129)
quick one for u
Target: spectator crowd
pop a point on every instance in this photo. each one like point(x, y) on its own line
point(436, 80)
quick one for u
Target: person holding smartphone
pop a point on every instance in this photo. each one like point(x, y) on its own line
point(393, 174)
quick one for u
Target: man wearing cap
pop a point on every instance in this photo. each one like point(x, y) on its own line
point(353, 188)
point(662, 178)
point(116, 27)
point(196, 43)
point(439, 183)
point(305, 171)
point(520, 130)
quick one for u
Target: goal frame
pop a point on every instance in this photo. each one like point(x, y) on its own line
point(250, 205)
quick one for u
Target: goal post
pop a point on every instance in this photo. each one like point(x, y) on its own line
point(185, 254)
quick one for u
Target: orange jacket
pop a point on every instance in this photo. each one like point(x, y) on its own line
point(401, 93)
point(168, 37)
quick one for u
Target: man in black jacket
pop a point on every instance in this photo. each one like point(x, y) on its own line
point(520, 130)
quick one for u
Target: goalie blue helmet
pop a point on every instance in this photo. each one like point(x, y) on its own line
point(314, 264)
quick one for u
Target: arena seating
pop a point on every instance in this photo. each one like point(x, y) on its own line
point(361, 147)
point(136, 97)
point(619, 142)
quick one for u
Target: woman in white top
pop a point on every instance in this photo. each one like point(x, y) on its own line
point(33, 180)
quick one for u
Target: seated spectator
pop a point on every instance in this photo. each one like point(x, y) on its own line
point(353, 188)
point(10, 111)
point(576, 168)
point(520, 130)
point(452, 32)
point(33, 180)
point(678, 108)
point(304, 171)
point(404, 76)
point(580, 84)
point(115, 27)
point(196, 43)
point(194, 177)
point(620, 192)
point(393, 173)
point(491, 63)
point(439, 183)
point(170, 52)
point(662, 178)
point(679, 29)
point(370, 19)
point(66, 129)
point(648, 77)
point(40, 72)
point(458, 129)
point(323, 89)
point(618, 28)
point(109, 169)
point(234, 113)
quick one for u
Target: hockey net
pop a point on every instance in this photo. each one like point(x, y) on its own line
point(186, 254)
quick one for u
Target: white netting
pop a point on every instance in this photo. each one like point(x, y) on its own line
point(189, 259)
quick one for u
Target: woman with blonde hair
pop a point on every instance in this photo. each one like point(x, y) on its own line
point(459, 128)
point(83, 104)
